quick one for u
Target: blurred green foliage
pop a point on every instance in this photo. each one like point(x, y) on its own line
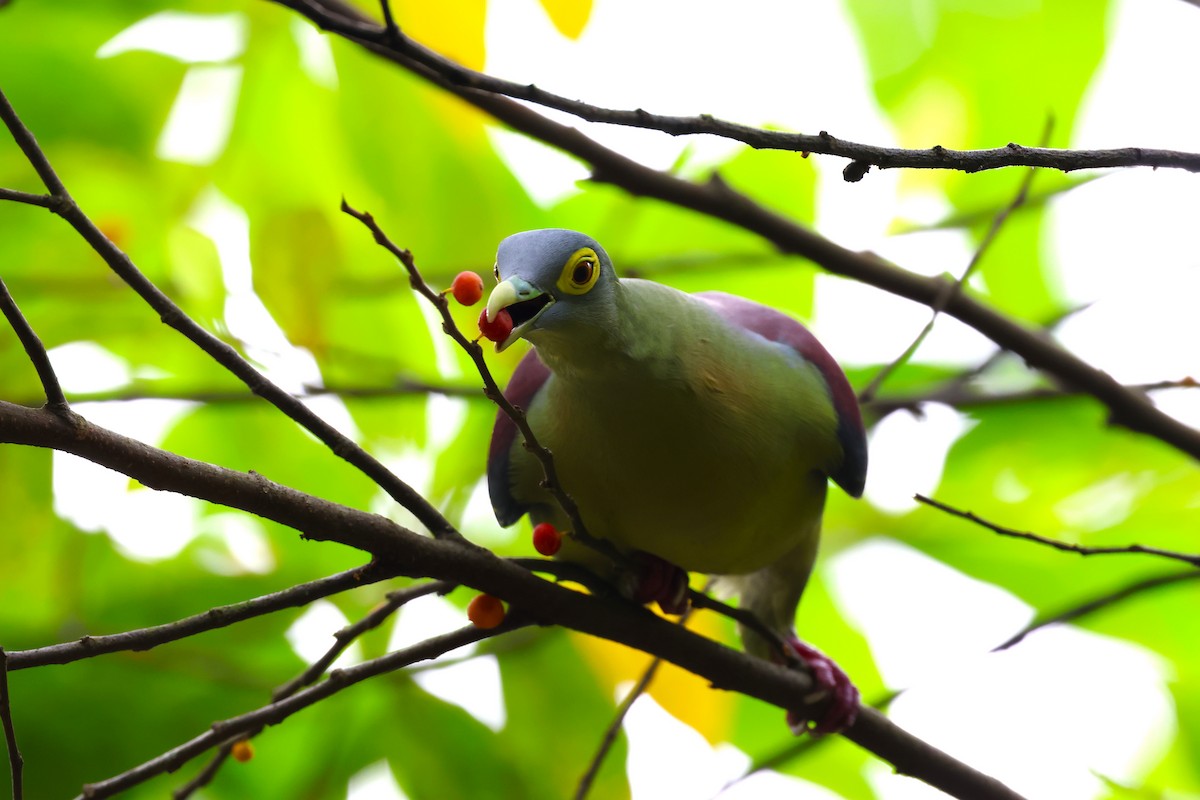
point(424, 165)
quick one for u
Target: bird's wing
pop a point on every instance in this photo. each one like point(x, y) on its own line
point(774, 326)
point(528, 379)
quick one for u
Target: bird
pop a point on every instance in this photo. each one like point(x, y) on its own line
point(695, 433)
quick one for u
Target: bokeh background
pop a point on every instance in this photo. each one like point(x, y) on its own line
point(213, 141)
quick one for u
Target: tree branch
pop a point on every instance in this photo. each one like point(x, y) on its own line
point(458, 561)
point(335, 16)
point(219, 617)
point(34, 349)
point(717, 199)
point(1187, 558)
point(1096, 604)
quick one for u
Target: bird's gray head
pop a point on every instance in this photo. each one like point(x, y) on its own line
point(553, 281)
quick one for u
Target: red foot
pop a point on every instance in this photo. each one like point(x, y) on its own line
point(832, 682)
point(662, 582)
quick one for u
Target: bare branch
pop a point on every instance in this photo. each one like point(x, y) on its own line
point(219, 617)
point(277, 712)
point(42, 200)
point(614, 727)
point(342, 640)
point(491, 389)
point(218, 350)
point(335, 16)
point(601, 615)
point(717, 199)
point(15, 762)
point(1096, 604)
point(1187, 558)
point(34, 349)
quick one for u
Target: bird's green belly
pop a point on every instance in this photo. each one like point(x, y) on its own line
point(690, 479)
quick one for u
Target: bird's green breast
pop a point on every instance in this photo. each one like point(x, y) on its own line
point(684, 437)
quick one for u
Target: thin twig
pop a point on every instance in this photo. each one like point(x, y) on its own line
point(219, 617)
point(1097, 603)
point(956, 395)
point(1187, 558)
point(34, 349)
point(29, 199)
point(614, 727)
point(347, 635)
point(277, 712)
point(491, 389)
point(340, 19)
point(950, 290)
point(15, 761)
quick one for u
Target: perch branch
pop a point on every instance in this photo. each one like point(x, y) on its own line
point(717, 199)
point(461, 562)
point(1187, 558)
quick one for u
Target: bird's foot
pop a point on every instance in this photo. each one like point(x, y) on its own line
point(830, 682)
point(656, 580)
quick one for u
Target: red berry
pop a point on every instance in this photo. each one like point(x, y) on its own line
point(498, 329)
point(485, 611)
point(467, 288)
point(546, 539)
point(242, 751)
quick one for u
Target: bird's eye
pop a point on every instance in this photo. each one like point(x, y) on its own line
point(580, 272)
point(496, 271)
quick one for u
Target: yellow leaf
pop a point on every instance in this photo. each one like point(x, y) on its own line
point(683, 694)
point(453, 29)
point(569, 16)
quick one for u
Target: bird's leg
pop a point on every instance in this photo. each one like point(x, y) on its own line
point(657, 580)
point(830, 681)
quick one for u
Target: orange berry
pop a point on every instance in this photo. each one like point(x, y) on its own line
point(498, 329)
point(485, 611)
point(467, 288)
point(242, 750)
point(546, 539)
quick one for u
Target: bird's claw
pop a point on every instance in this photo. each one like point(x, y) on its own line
point(662, 582)
point(830, 682)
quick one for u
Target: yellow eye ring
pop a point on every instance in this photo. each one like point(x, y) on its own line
point(580, 272)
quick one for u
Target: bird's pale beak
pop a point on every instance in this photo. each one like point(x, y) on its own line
point(525, 303)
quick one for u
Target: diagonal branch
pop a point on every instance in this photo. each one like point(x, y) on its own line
point(342, 640)
point(220, 351)
point(952, 289)
point(1095, 604)
point(718, 200)
point(276, 712)
point(334, 16)
point(547, 603)
point(34, 349)
point(218, 617)
point(1187, 558)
